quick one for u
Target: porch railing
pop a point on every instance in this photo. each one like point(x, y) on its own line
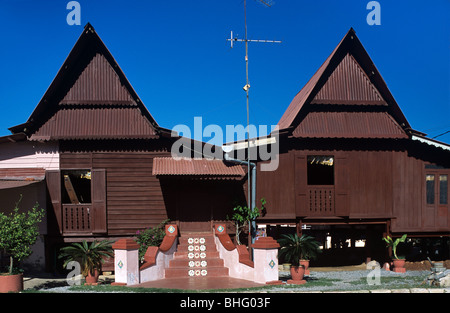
point(321, 200)
point(76, 218)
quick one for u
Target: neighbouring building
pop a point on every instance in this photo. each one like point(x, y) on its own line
point(351, 167)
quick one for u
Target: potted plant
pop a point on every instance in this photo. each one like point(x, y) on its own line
point(295, 248)
point(18, 232)
point(90, 256)
point(399, 262)
point(310, 248)
point(243, 216)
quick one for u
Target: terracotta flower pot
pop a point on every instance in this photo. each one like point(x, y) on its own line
point(399, 263)
point(305, 264)
point(297, 272)
point(11, 283)
point(92, 278)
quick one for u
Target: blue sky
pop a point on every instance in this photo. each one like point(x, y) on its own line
point(175, 54)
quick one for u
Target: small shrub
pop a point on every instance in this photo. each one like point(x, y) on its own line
point(18, 232)
point(150, 237)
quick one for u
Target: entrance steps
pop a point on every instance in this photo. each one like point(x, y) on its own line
point(196, 256)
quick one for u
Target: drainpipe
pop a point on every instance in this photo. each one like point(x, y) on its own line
point(253, 189)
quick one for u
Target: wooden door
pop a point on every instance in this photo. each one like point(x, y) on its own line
point(195, 210)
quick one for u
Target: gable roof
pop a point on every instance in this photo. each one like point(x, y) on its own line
point(347, 78)
point(90, 97)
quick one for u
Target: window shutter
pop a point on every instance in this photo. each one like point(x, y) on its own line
point(98, 214)
point(301, 203)
point(341, 185)
point(53, 180)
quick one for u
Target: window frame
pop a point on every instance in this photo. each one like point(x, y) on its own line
point(437, 172)
point(65, 197)
point(310, 180)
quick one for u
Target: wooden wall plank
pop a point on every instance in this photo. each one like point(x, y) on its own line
point(134, 197)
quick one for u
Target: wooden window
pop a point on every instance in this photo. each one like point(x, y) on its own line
point(320, 170)
point(83, 194)
point(76, 186)
point(430, 188)
point(443, 189)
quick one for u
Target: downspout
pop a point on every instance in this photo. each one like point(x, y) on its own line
point(253, 189)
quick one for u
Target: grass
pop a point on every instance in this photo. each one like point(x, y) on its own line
point(407, 282)
point(313, 284)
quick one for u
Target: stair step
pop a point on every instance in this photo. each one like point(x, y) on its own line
point(187, 261)
point(196, 240)
point(196, 248)
point(196, 234)
point(213, 271)
point(184, 254)
point(178, 262)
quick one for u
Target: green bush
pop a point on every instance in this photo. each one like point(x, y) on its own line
point(150, 237)
point(243, 216)
point(18, 232)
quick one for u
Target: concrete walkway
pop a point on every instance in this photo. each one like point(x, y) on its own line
point(199, 283)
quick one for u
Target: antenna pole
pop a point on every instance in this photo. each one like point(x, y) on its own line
point(248, 109)
point(250, 193)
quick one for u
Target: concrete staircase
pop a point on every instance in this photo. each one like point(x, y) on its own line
point(196, 256)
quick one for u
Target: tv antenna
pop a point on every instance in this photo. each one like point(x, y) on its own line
point(267, 3)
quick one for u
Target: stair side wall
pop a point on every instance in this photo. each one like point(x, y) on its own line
point(157, 271)
point(231, 260)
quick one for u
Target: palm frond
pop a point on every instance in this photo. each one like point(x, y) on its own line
point(90, 256)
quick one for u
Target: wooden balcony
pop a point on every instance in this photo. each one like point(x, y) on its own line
point(321, 200)
point(77, 218)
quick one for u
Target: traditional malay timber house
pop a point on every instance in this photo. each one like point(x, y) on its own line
point(107, 163)
point(350, 167)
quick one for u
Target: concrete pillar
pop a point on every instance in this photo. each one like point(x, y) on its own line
point(126, 262)
point(266, 260)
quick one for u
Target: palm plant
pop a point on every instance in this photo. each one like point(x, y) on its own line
point(295, 248)
point(90, 256)
point(394, 243)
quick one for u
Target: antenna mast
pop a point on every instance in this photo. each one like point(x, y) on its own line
point(246, 88)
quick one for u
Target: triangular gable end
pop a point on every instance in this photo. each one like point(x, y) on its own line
point(348, 77)
point(98, 84)
point(90, 87)
point(348, 85)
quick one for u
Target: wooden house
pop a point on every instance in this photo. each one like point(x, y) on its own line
point(112, 172)
point(350, 165)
